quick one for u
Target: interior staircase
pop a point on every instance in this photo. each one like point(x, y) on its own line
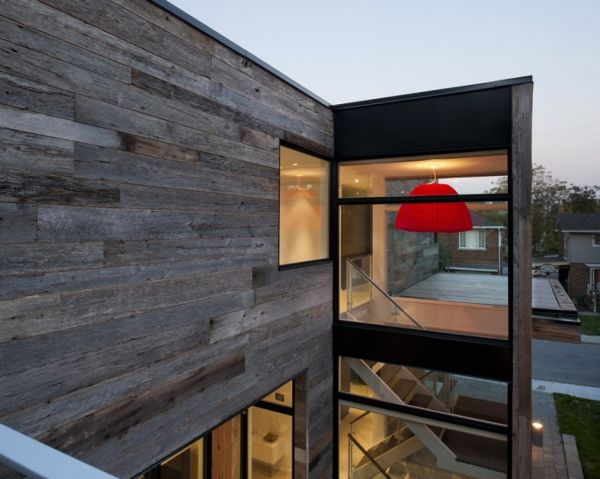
point(454, 451)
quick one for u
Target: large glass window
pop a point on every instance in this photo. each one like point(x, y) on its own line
point(425, 280)
point(472, 173)
point(303, 207)
point(446, 392)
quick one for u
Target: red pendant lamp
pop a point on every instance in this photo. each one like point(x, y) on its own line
point(450, 217)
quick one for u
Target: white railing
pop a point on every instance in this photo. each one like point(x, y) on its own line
point(38, 461)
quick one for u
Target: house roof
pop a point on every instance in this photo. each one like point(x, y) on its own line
point(483, 222)
point(582, 222)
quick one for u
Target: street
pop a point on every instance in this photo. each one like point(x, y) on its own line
point(566, 362)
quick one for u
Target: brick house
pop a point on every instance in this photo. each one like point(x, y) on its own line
point(480, 249)
point(580, 246)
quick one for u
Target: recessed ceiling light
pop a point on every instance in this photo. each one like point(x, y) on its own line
point(356, 180)
point(294, 164)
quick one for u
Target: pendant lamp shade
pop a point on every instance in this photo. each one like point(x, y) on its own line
point(450, 217)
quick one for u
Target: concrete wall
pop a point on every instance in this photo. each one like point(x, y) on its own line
point(141, 303)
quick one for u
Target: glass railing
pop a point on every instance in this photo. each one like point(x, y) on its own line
point(366, 302)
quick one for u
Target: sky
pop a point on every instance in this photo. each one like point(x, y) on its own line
point(355, 50)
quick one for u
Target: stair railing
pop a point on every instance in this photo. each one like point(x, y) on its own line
point(352, 440)
point(397, 309)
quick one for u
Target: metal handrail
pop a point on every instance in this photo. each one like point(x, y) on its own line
point(389, 298)
point(359, 417)
point(39, 461)
point(366, 453)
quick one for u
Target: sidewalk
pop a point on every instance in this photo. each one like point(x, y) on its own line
point(558, 458)
point(549, 460)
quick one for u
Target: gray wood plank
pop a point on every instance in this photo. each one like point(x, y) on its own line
point(33, 315)
point(30, 152)
point(17, 222)
point(57, 24)
point(39, 124)
point(178, 199)
point(163, 19)
point(61, 363)
point(271, 284)
point(169, 151)
point(116, 20)
point(121, 252)
point(171, 92)
point(28, 258)
point(25, 61)
point(242, 321)
point(224, 74)
point(57, 223)
point(27, 95)
point(259, 74)
point(25, 36)
point(50, 189)
point(75, 278)
point(125, 415)
point(104, 115)
point(37, 420)
point(123, 167)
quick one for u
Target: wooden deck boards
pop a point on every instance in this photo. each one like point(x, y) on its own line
point(548, 294)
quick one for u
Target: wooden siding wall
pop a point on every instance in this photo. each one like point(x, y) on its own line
point(140, 299)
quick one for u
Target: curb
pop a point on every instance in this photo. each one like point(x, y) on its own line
point(585, 339)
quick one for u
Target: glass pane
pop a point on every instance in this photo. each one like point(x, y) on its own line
point(186, 464)
point(426, 388)
point(472, 173)
point(303, 207)
point(411, 447)
point(270, 444)
point(282, 396)
point(226, 449)
point(427, 279)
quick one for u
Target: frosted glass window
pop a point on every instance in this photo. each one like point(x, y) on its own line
point(303, 207)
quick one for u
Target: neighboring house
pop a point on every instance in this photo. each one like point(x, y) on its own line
point(580, 245)
point(480, 249)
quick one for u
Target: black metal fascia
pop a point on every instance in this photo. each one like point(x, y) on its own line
point(433, 93)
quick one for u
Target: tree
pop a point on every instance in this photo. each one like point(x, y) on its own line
point(549, 196)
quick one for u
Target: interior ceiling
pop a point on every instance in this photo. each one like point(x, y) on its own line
point(488, 164)
point(295, 164)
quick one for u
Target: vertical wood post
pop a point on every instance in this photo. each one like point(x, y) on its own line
point(521, 286)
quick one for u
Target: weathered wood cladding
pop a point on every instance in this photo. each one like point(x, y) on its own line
point(140, 299)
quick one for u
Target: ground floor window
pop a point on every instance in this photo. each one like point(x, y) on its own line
point(257, 443)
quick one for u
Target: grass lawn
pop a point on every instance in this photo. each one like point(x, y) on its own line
point(590, 324)
point(581, 417)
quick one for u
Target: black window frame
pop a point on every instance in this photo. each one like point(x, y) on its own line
point(330, 210)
